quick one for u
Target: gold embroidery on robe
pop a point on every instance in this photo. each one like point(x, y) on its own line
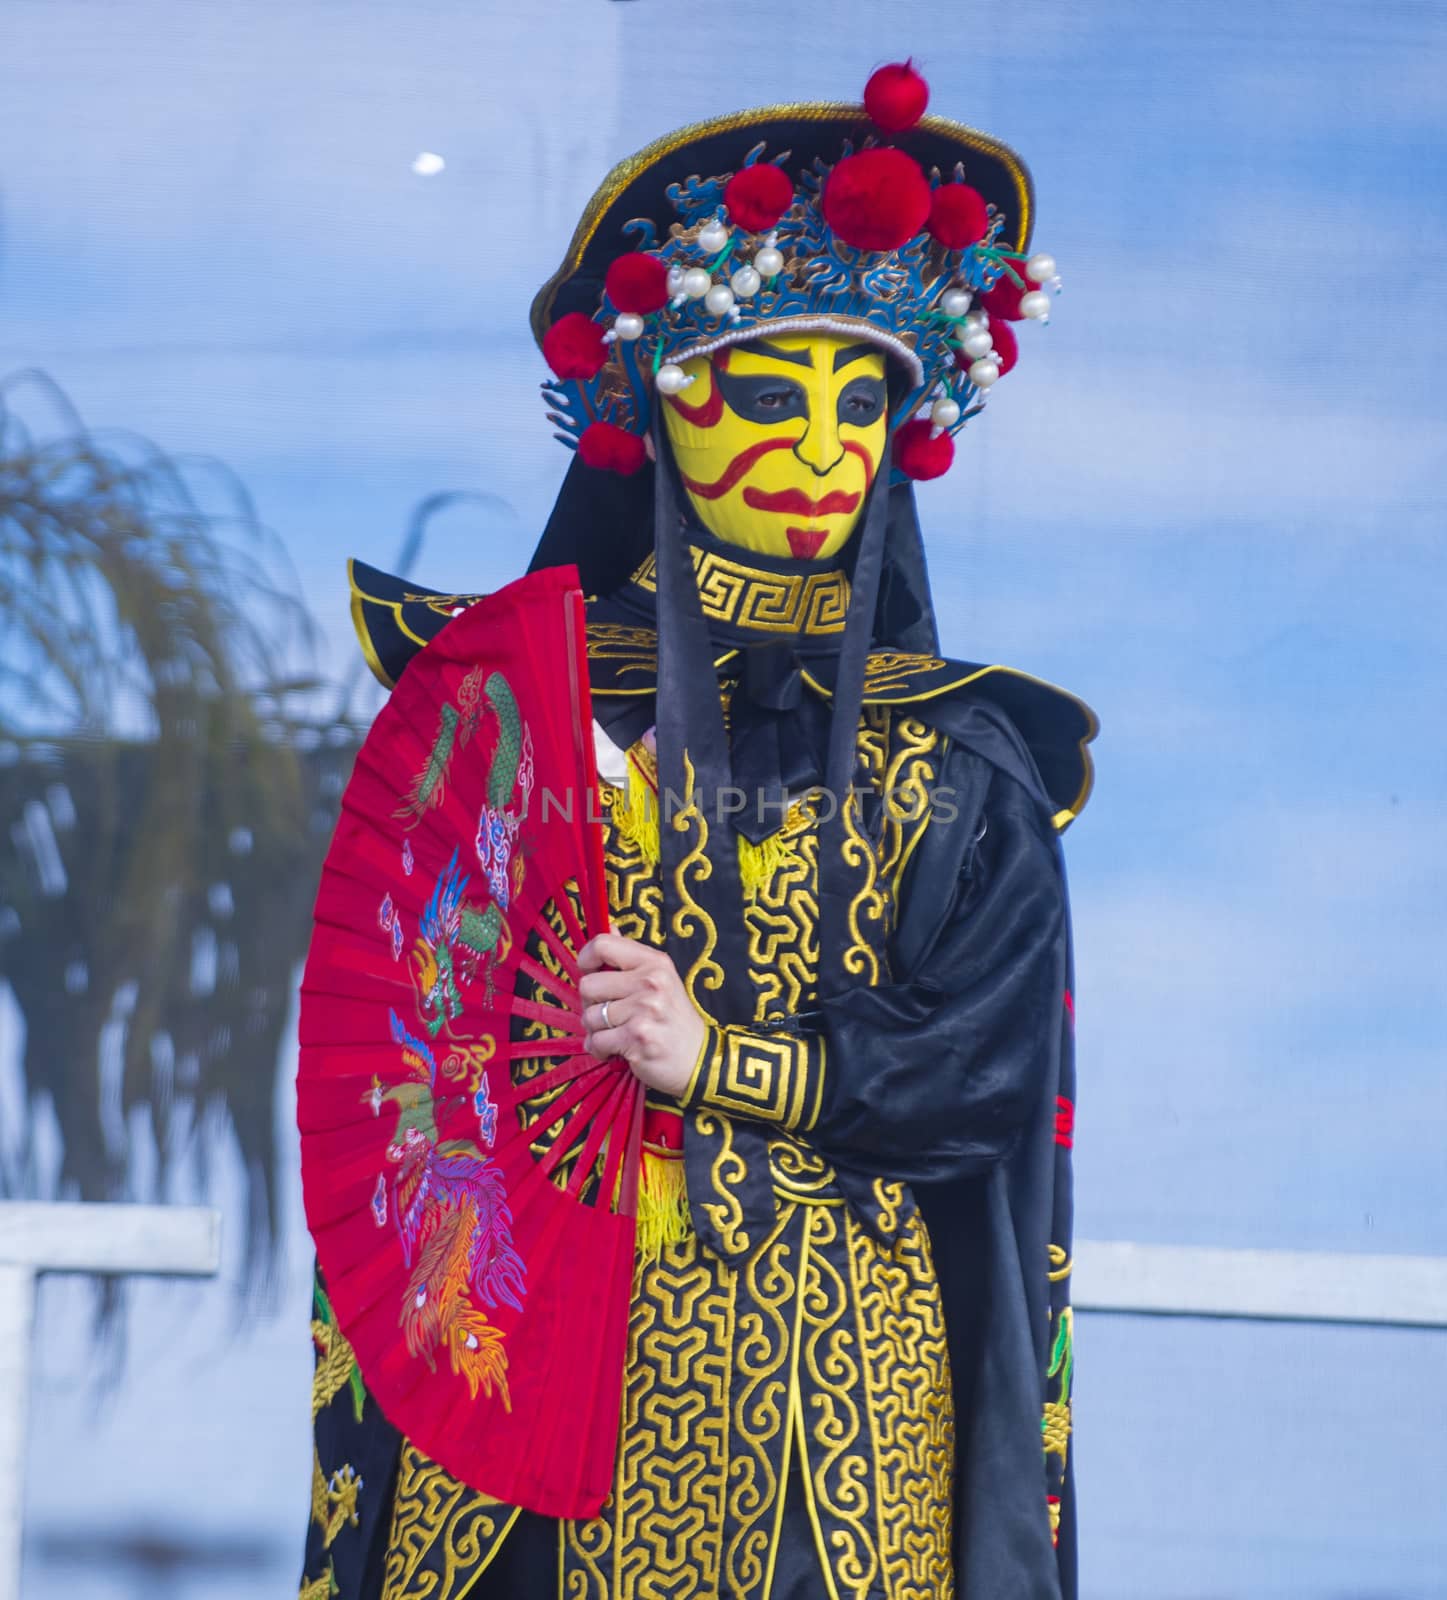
point(822, 1340)
point(333, 1495)
point(322, 1588)
point(443, 1535)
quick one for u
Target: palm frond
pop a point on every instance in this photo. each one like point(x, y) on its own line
point(170, 766)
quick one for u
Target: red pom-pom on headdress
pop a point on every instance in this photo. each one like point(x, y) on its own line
point(573, 347)
point(920, 452)
point(758, 196)
point(958, 216)
point(895, 97)
point(877, 199)
point(637, 282)
point(1007, 346)
point(610, 448)
point(1004, 299)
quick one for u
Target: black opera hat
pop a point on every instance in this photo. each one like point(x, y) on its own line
point(638, 187)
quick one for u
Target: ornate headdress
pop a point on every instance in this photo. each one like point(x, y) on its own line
point(875, 222)
point(809, 224)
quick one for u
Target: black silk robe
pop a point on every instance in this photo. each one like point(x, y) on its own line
point(955, 1077)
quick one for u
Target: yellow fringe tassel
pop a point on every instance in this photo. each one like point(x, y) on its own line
point(759, 862)
point(635, 820)
point(635, 815)
point(662, 1204)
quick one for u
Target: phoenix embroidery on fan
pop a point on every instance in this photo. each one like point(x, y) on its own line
point(447, 1198)
point(486, 1108)
point(450, 1208)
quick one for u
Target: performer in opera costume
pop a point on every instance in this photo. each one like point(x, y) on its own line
point(840, 959)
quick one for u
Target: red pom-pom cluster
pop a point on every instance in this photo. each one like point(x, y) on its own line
point(1007, 346)
point(1006, 350)
point(573, 347)
point(758, 196)
point(877, 199)
point(637, 282)
point(610, 448)
point(920, 452)
point(895, 97)
point(958, 216)
point(1003, 300)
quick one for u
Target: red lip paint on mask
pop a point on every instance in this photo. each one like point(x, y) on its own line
point(835, 503)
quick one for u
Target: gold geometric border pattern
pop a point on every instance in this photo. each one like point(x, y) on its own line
point(771, 602)
point(771, 1077)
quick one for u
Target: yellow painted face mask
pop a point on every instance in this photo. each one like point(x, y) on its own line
point(778, 440)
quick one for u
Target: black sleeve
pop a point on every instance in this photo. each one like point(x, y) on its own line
point(934, 1076)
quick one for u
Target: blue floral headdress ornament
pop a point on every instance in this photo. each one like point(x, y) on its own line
point(806, 223)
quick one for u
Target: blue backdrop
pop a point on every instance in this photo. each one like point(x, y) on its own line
point(1209, 500)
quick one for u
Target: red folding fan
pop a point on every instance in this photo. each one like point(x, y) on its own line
point(470, 1172)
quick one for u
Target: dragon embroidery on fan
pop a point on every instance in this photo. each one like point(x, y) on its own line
point(448, 919)
point(453, 1218)
point(454, 937)
point(456, 725)
point(497, 826)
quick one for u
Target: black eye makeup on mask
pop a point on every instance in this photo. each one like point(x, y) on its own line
point(862, 401)
point(762, 397)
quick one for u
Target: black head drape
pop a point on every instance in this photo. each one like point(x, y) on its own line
point(606, 525)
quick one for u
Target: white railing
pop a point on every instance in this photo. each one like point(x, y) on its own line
point(1112, 1277)
point(37, 1237)
point(1266, 1285)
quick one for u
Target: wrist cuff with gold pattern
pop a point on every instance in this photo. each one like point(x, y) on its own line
point(771, 1077)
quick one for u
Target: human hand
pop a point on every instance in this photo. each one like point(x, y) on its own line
point(650, 1020)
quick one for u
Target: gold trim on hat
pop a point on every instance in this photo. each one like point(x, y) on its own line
point(633, 167)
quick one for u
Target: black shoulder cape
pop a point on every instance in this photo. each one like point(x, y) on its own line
point(1038, 733)
point(983, 988)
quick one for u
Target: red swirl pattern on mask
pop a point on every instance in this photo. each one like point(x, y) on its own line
point(852, 447)
point(740, 467)
point(708, 414)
